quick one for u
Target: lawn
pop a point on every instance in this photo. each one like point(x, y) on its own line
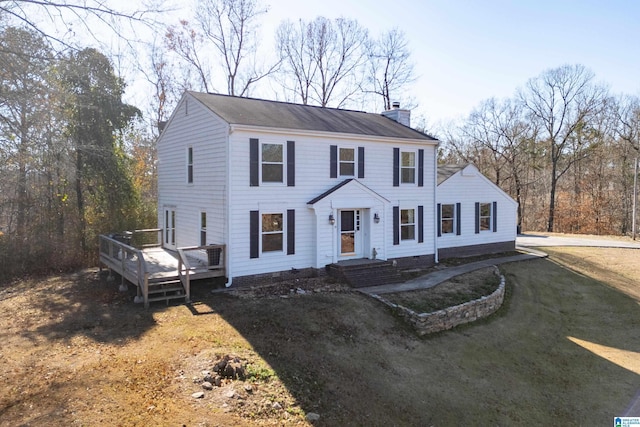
point(563, 350)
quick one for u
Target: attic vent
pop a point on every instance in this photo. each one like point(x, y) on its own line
point(396, 104)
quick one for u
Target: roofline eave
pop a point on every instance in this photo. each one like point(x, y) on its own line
point(336, 135)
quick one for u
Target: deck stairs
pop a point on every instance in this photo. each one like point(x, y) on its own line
point(166, 289)
point(362, 273)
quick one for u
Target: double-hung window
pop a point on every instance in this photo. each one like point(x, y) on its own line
point(347, 162)
point(272, 232)
point(272, 162)
point(485, 217)
point(408, 167)
point(447, 219)
point(407, 224)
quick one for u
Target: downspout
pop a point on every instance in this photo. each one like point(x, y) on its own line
point(228, 193)
point(435, 203)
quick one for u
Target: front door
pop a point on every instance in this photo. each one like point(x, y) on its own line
point(350, 234)
point(170, 228)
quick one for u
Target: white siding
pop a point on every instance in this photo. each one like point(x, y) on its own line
point(192, 125)
point(468, 187)
point(312, 179)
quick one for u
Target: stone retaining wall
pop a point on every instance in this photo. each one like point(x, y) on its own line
point(441, 320)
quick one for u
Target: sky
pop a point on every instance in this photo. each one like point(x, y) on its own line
point(466, 51)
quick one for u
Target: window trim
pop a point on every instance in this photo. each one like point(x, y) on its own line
point(203, 228)
point(413, 224)
point(489, 218)
point(353, 162)
point(190, 164)
point(402, 168)
point(453, 218)
point(281, 232)
point(282, 163)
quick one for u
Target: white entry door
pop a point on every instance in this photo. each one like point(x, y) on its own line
point(350, 241)
point(170, 228)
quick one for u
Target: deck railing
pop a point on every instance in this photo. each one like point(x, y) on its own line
point(124, 253)
point(127, 260)
point(147, 238)
point(214, 255)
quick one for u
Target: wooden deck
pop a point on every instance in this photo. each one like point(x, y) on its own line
point(158, 273)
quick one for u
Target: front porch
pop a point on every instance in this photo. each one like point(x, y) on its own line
point(158, 273)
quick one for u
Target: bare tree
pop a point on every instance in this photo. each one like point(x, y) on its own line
point(324, 58)
point(390, 69)
point(628, 115)
point(501, 130)
point(231, 27)
point(39, 15)
point(561, 102)
point(188, 44)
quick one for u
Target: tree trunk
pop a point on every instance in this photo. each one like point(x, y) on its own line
point(80, 202)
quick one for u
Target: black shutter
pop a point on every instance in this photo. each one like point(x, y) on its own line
point(360, 162)
point(420, 168)
point(396, 225)
point(254, 234)
point(253, 162)
point(396, 167)
point(477, 217)
point(291, 164)
point(291, 231)
point(458, 219)
point(439, 214)
point(420, 224)
point(333, 162)
point(494, 212)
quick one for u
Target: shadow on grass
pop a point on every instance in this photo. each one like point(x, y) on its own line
point(84, 303)
point(349, 359)
point(346, 357)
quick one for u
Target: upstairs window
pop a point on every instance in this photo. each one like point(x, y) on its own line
point(347, 162)
point(190, 165)
point(408, 167)
point(272, 163)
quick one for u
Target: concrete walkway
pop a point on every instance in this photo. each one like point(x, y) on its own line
point(446, 273)
point(524, 242)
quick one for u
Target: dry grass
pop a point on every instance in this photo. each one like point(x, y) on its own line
point(458, 290)
point(562, 351)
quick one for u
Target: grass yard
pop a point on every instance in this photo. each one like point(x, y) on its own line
point(563, 350)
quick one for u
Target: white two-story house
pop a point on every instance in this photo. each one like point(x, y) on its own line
point(288, 187)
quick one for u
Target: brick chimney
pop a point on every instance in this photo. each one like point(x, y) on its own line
point(399, 115)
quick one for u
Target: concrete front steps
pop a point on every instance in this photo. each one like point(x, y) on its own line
point(360, 273)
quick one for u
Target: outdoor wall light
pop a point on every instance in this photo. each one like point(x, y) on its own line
point(376, 218)
point(332, 220)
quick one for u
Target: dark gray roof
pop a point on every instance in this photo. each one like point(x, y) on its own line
point(329, 191)
point(447, 171)
point(282, 115)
